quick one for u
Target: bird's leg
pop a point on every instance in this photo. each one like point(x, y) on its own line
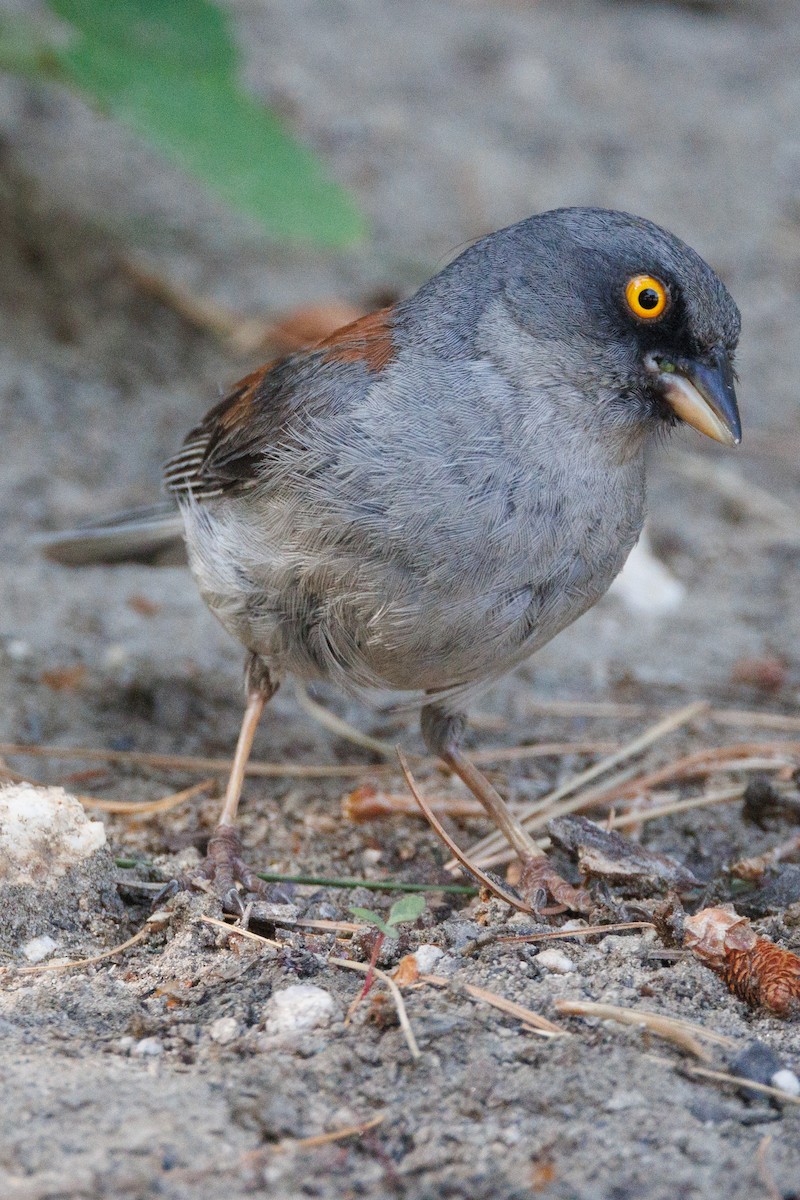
point(443, 732)
point(224, 865)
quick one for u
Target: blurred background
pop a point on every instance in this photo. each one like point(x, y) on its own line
point(186, 189)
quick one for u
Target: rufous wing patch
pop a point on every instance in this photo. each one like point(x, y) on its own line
point(237, 407)
point(368, 340)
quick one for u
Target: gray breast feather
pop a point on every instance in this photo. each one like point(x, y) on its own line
point(416, 547)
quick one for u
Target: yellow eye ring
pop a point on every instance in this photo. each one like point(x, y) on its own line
point(646, 296)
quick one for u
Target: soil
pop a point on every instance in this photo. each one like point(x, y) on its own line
point(124, 1078)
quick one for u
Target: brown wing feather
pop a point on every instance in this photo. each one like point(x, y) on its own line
point(224, 450)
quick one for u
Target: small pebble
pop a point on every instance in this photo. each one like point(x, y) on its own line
point(149, 1047)
point(116, 656)
point(39, 948)
point(758, 1062)
point(297, 1009)
point(622, 1100)
point(556, 961)
point(18, 650)
point(224, 1030)
point(786, 1081)
point(427, 957)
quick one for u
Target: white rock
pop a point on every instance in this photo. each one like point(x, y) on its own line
point(787, 1081)
point(18, 650)
point(149, 1047)
point(427, 957)
point(556, 961)
point(622, 1100)
point(297, 1009)
point(224, 1030)
point(38, 948)
point(43, 833)
point(646, 585)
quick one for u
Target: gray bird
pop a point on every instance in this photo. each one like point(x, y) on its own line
point(425, 498)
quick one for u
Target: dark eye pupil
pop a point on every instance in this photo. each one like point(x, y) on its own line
point(648, 298)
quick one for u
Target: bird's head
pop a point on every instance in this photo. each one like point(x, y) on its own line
point(645, 316)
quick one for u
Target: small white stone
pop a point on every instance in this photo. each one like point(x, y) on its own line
point(297, 1009)
point(224, 1030)
point(556, 961)
point(116, 656)
point(786, 1081)
point(427, 957)
point(622, 1100)
point(149, 1047)
point(18, 650)
point(38, 948)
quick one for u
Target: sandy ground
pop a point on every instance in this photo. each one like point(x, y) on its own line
point(446, 119)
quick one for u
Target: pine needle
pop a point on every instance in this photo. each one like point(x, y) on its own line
point(94, 958)
point(147, 807)
point(336, 1135)
point(529, 1018)
point(533, 815)
point(492, 884)
point(742, 1082)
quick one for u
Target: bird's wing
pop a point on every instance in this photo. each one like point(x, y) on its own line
point(226, 450)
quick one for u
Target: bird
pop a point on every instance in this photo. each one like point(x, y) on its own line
point(423, 499)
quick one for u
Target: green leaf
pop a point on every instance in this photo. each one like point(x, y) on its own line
point(188, 35)
point(407, 908)
point(167, 68)
point(371, 918)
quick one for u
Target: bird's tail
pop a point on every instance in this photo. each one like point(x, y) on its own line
point(146, 535)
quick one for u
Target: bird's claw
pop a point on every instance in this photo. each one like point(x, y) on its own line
point(220, 872)
point(540, 879)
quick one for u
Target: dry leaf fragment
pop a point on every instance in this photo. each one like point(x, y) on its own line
point(406, 972)
point(64, 679)
point(754, 968)
point(143, 605)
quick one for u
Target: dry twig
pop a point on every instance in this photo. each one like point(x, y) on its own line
point(182, 762)
point(336, 1135)
point(245, 933)
point(553, 934)
point(685, 1034)
point(536, 815)
point(147, 807)
point(394, 991)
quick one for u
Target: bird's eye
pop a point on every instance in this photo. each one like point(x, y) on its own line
point(646, 296)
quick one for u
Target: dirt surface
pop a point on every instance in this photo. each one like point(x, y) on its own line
point(159, 1072)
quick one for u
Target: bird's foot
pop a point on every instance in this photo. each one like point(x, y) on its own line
point(539, 880)
point(220, 872)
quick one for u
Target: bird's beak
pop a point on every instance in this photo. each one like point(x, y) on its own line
point(700, 391)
